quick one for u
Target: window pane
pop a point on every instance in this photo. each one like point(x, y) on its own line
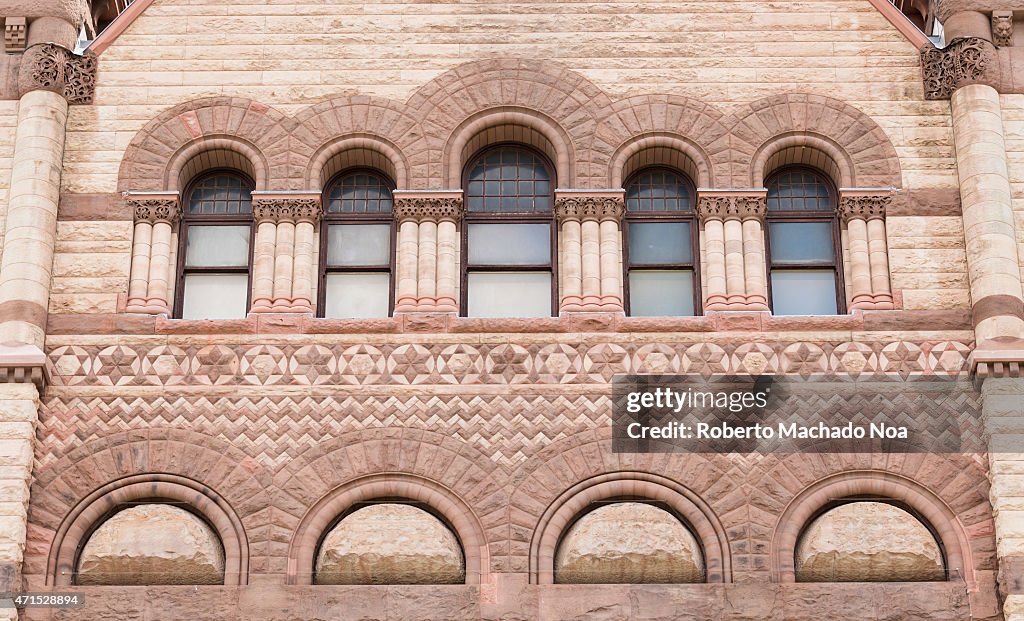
point(659, 243)
point(660, 293)
point(670, 190)
point(359, 244)
point(798, 190)
point(509, 294)
point(357, 295)
point(509, 180)
point(215, 296)
point(803, 292)
point(217, 246)
point(360, 192)
point(509, 244)
point(796, 243)
point(222, 193)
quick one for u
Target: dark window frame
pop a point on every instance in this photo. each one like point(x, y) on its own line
point(663, 216)
point(830, 216)
point(494, 217)
point(189, 220)
point(343, 218)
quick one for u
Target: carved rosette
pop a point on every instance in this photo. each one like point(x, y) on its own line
point(279, 209)
point(864, 207)
point(1002, 28)
point(582, 208)
point(968, 60)
point(428, 209)
point(155, 210)
point(52, 68)
point(724, 207)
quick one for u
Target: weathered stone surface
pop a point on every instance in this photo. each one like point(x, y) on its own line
point(152, 544)
point(628, 542)
point(868, 542)
point(390, 544)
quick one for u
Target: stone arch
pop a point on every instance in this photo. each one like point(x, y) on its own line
point(544, 87)
point(361, 150)
point(661, 150)
point(811, 150)
point(691, 127)
point(214, 478)
point(380, 125)
point(447, 474)
point(212, 152)
point(507, 124)
point(859, 146)
point(805, 505)
point(256, 131)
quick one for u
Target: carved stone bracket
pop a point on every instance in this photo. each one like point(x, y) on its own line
point(581, 208)
point(15, 33)
point(154, 209)
point(864, 207)
point(428, 208)
point(287, 209)
point(50, 67)
point(731, 206)
point(21, 363)
point(968, 60)
point(1002, 28)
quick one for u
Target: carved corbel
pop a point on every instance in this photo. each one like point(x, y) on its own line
point(1002, 28)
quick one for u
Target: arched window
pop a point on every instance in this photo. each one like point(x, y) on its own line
point(867, 540)
point(660, 238)
point(624, 542)
point(214, 248)
point(508, 249)
point(390, 543)
point(803, 247)
point(356, 246)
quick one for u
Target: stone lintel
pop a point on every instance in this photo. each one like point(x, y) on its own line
point(21, 363)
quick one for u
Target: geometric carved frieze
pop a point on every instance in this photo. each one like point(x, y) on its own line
point(53, 68)
point(967, 60)
point(275, 208)
point(731, 206)
point(427, 208)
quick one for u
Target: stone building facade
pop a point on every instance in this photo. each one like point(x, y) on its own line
point(255, 365)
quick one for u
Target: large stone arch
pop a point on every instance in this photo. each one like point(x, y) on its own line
point(326, 130)
point(691, 127)
point(817, 122)
point(209, 475)
point(547, 88)
point(256, 131)
point(451, 476)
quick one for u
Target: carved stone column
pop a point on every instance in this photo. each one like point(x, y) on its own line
point(155, 216)
point(590, 250)
point(283, 252)
point(732, 227)
point(862, 213)
point(428, 249)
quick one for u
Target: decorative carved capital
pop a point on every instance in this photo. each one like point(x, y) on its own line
point(282, 209)
point(581, 208)
point(731, 207)
point(968, 60)
point(15, 33)
point(428, 208)
point(864, 207)
point(50, 67)
point(153, 210)
point(1002, 28)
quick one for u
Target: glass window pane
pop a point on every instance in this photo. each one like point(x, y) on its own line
point(671, 190)
point(660, 293)
point(220, 193)
point(217, 246)
point(359, 244)
point(803, 292)
point(796, 243)
point(509, 180)
point(215, 296)
point(798, 190)
point(359, 192)
point(509, 244)
point(509, 294)
point(357, 295)
point(659, 243)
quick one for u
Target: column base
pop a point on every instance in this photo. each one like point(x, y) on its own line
point(148, 306)
point(736, 303)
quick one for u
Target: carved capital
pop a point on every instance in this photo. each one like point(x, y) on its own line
point(968, 60)
point(286, 209)
point(52, 68)
point(155, 209)
point(731, 207)
point(864, 207)
point(428, 208)
point(1002, 28)
point(582, 208)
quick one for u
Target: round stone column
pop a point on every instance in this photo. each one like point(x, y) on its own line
point(428, 250)
point(590, 256)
